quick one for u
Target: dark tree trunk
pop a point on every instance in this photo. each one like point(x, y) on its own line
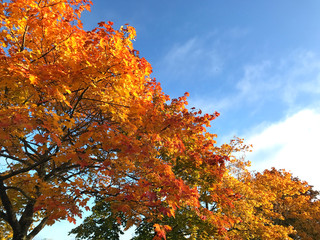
point(20, 227)
point(19, 236)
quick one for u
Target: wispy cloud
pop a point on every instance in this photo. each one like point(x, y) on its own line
point(285, 79)
point(303, 75)
point(255, 82)
point(292, 144)
point(291, 81)
point(193, 56)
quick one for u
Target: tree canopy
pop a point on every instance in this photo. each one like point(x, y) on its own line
point(81, 117)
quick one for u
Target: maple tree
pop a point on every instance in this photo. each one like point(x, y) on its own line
point(81, 117)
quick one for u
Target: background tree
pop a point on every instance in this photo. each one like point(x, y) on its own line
point(267, 205)
point(273, 205)
point(103, 223)
point(296, 203)
point(208, 221)
point(204, 222)
point(80, 117)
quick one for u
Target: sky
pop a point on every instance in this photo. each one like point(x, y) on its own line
point(255, 62)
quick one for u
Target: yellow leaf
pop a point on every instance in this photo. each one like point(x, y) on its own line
point(33, 79)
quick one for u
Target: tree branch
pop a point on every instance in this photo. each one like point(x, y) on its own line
point(27, 145)
point(23, 170)
point(45, 54)
point(24, 38)
point(37, 229)
point(12, 158)
point(78, 101)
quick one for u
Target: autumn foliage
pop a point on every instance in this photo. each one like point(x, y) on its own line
point(80, 117)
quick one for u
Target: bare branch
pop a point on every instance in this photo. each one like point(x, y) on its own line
point(37, 229)
point(24, 38)
point(78, 101)
point(45, 54)
point(27, 145)
point(23, 170)
point(12, 158)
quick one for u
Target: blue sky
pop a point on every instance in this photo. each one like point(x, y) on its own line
point(255, 62)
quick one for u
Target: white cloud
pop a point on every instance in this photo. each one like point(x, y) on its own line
point(291, 144)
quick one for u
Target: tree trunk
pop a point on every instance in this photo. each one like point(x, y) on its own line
point(19, 236)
